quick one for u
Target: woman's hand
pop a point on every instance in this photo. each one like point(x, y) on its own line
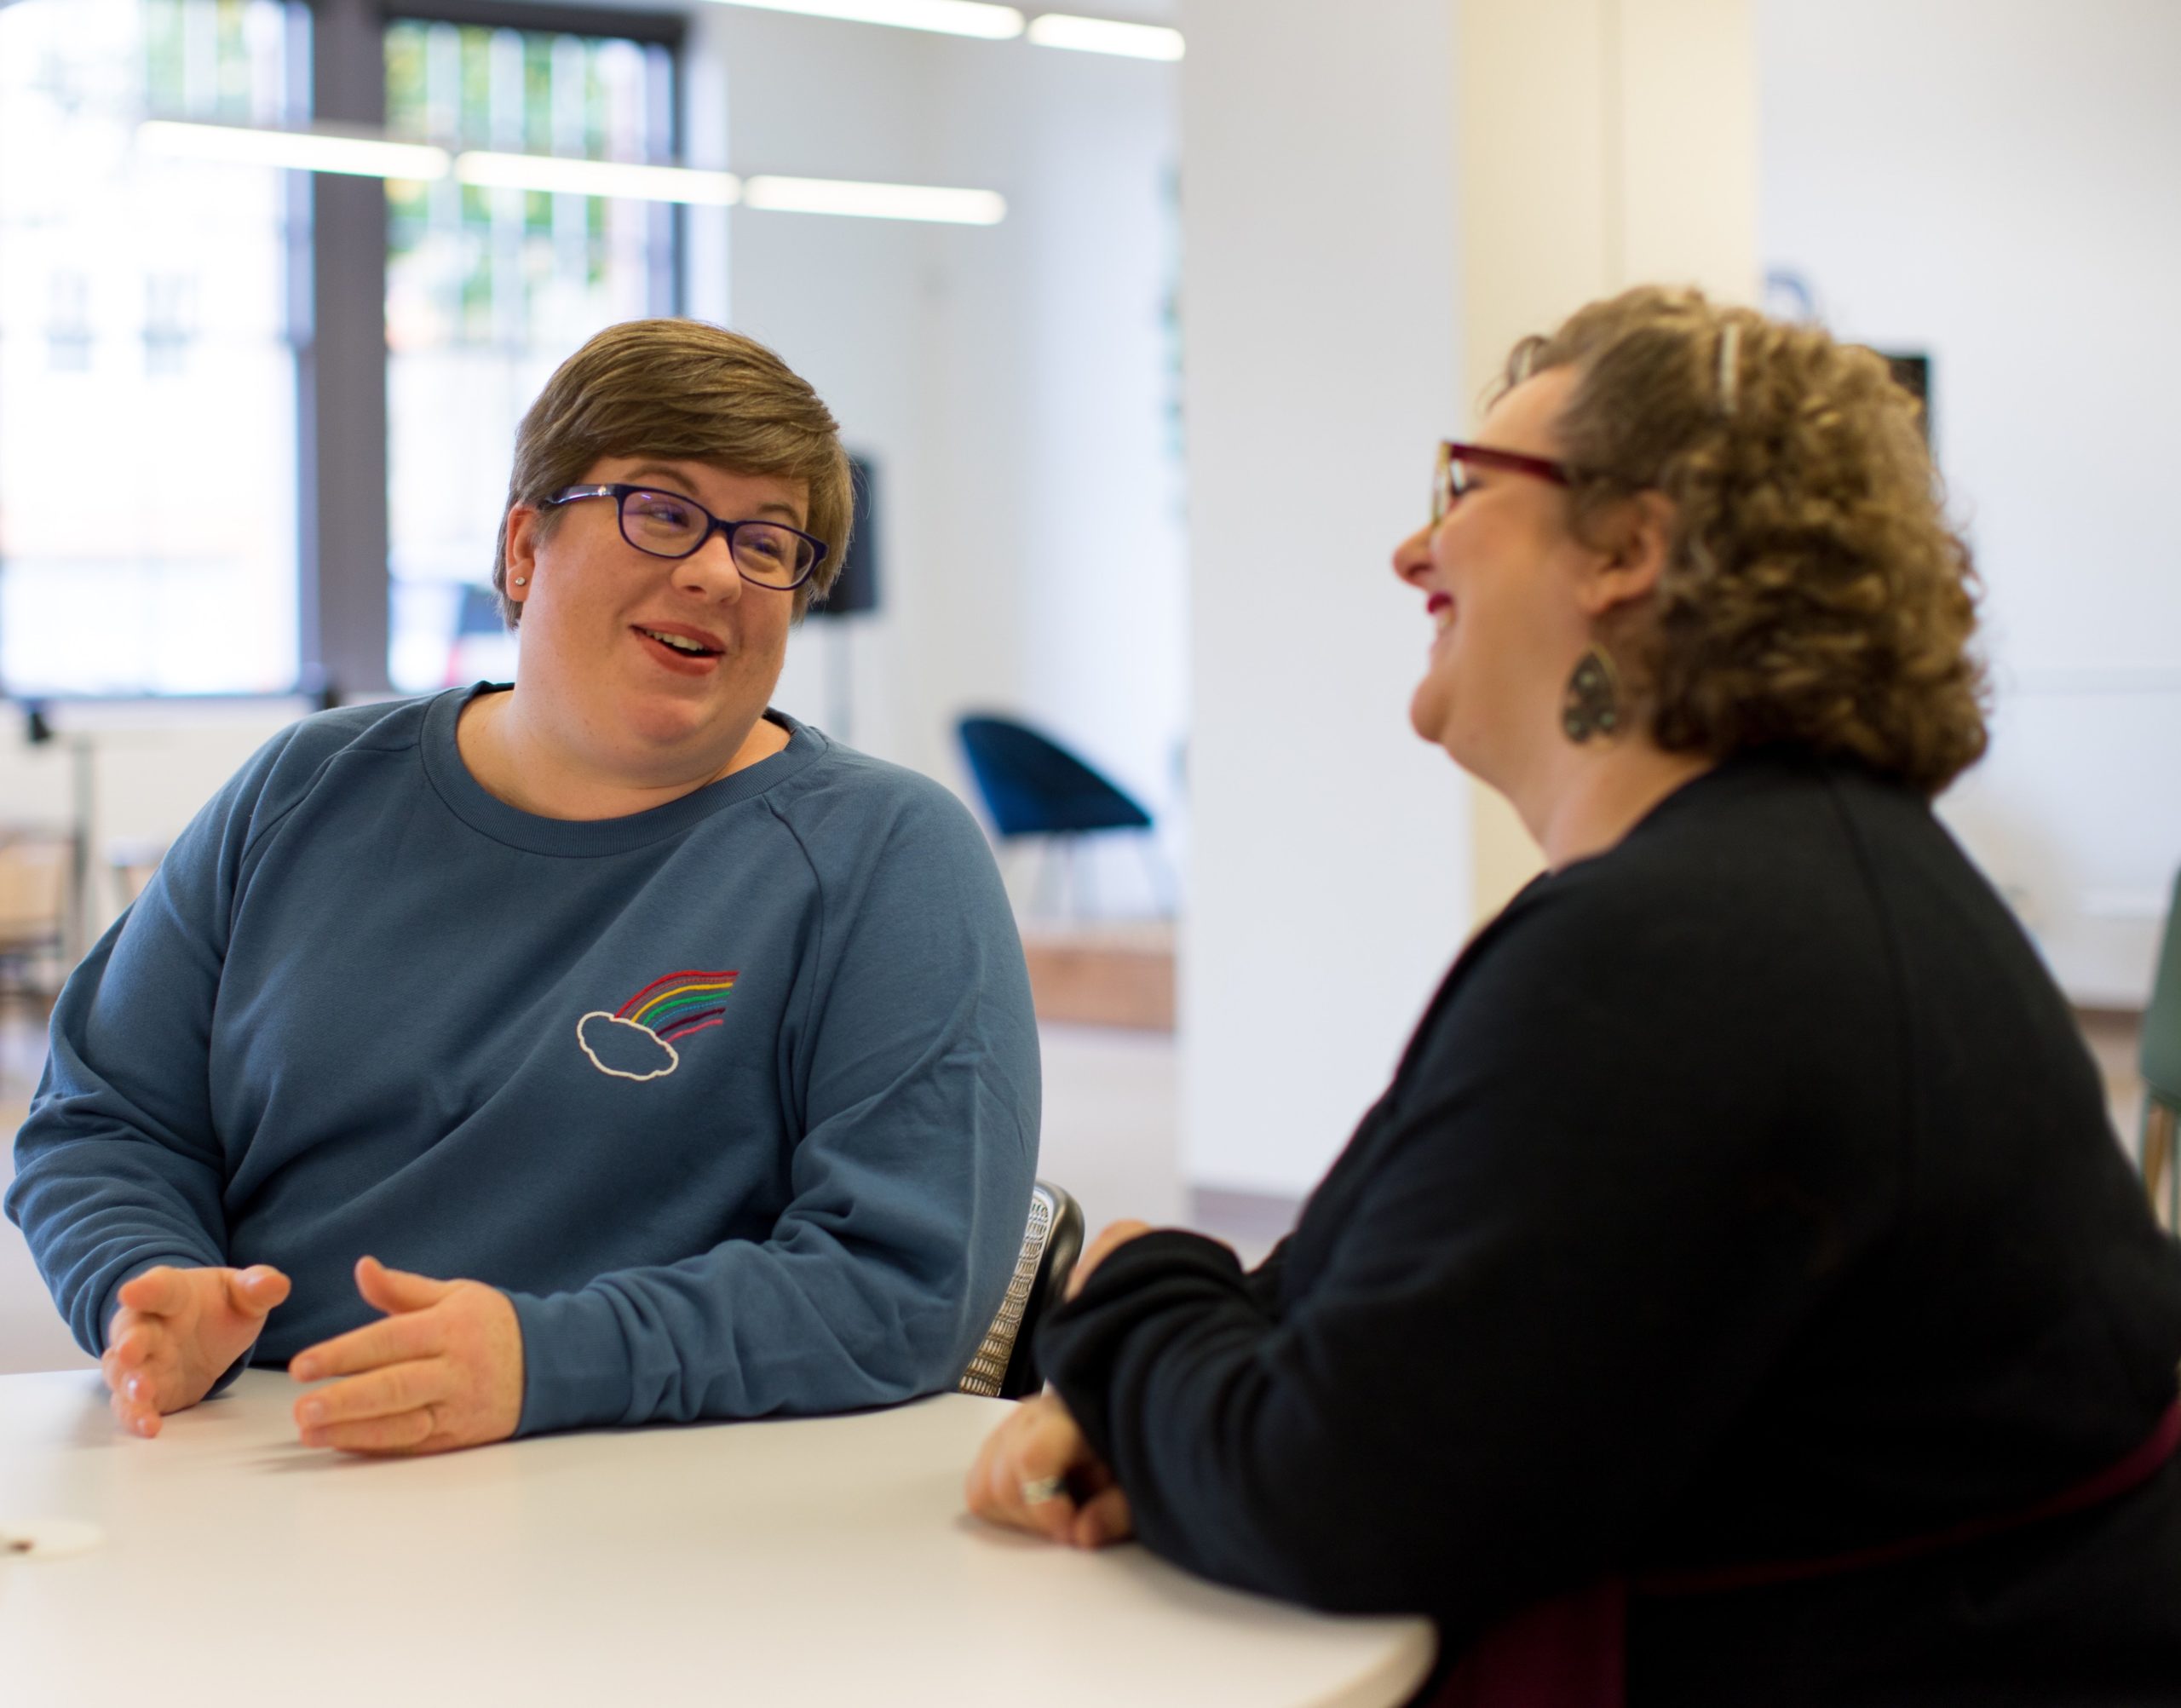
point(1037, 1473)
point(177, 1331)
point(1111, 1238)
point(442, 1369)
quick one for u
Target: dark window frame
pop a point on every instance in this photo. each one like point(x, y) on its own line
point(344, 590)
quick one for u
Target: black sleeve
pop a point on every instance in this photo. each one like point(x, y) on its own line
point(1556, 1264)
point(1265, 1282)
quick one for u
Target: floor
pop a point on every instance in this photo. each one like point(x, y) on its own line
point(1109, 1138)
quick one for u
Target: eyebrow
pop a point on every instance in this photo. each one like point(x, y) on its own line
point(634, 476)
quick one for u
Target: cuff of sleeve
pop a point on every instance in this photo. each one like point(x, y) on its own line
point(111, 1301)
point(1149, 1258)
point(1159, 1251)
point(575, 1362)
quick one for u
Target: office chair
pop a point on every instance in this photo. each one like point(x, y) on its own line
point(1006, 1365)
point(2162, 1068)
point(1033, 786)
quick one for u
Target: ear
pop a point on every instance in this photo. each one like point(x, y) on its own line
point(1635, 538)
point(521, 550)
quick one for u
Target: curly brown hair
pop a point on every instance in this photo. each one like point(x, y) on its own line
point(680, 389)
point(1814, 592)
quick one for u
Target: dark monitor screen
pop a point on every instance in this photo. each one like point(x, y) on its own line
point(856, 588)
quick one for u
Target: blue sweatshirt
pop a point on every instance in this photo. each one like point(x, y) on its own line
point(737, 1098)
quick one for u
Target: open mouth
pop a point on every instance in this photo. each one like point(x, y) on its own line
point(682, 646)
point(1440, 608)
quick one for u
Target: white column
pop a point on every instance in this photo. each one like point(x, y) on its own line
point(1602, 143)
point(1377, 200)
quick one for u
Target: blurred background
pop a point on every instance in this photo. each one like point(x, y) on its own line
point(1143, 327)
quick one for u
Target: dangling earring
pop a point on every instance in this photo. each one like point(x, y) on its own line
point(1591, 705)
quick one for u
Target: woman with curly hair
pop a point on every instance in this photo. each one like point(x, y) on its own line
point(1738, 1296)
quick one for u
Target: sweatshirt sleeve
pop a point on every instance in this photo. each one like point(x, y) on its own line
point(119, 1166)
point(1559, 1271)
point(916, 1061)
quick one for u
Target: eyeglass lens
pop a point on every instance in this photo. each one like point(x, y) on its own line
point(669, 526)
point(1448, 482)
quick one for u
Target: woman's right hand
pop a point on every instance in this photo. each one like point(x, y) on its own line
point(1037, 1472)
point(177, 1331)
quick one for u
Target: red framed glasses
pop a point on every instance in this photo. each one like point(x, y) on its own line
point(1454, 476)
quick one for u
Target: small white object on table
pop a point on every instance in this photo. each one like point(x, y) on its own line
point(808, 1560)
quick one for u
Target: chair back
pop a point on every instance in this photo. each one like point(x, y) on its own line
point(33, 888)
point(1005, 1366)
point(1033, 786)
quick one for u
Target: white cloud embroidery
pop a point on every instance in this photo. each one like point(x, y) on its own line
point(624, 1049)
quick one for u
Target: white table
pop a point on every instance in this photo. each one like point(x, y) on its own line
point(816, 1561)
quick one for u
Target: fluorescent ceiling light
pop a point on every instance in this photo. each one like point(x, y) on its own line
point(1106, 35)
point(875, 201)
point(948, 17)
point(559, 175)
point(305, 151)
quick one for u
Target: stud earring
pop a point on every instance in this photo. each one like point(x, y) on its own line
point(522, 581)
point(1591, 705)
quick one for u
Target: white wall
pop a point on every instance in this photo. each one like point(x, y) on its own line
point(1994, 181)
point(1011, 382)
point(1330, 853)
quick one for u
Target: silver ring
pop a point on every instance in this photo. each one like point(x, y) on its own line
point(1037, 1491)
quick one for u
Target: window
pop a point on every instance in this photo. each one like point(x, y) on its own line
point(487, 289)
point(147, 363)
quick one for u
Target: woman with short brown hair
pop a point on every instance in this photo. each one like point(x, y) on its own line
point(678, 1060)
point(1738, 1296)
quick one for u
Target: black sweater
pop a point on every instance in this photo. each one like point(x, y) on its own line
point(1746, 1194)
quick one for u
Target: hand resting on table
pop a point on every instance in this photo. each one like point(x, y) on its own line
point(444, 1369)
point(1036, 1471)
point(178, 1333)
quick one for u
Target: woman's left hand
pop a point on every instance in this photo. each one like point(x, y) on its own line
point(444, 1369)
point(1037, 1472)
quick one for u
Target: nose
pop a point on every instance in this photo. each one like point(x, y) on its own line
point(1413, 557)
point(709, 573)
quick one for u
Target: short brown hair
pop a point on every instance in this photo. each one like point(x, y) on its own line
point(681, 389)
point(1814, 592)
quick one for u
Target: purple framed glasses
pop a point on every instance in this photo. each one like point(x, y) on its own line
point(667, 524)
point(1453, 475)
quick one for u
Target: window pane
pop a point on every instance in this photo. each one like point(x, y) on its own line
point(488, 289)
point(147, 372)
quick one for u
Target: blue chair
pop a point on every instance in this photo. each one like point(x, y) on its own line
point(1033, 786)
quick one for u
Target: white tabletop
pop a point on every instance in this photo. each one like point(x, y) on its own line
point(822, 1560)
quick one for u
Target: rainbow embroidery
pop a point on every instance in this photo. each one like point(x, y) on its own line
point(678, 1004)
point(637, 1041)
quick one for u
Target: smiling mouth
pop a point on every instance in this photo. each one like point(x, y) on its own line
point(1441, 610)
point(680, 643)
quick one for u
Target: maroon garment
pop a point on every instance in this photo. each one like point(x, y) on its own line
point(1571, 1651)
